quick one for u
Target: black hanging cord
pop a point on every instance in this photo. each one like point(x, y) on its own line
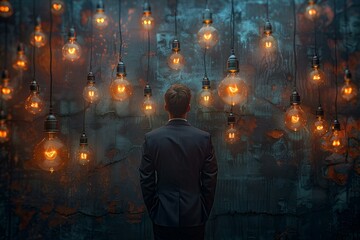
point(51, 76)
point(336, 63)
point(205, 63)
point(346, 20)
point(319, 95)
point(148, 58)
point(294, 43)
point(72, 14)
point(6, 41)
point(207, 4)
point(120, 33)
point(84, 118)
point(315, 39)
point(34, 48)
point(20, 21)
point(267, 10)
point(91, 37)
point(176, 5)
point(232, 26)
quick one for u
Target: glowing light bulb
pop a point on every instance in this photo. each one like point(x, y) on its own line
point(176, 61)
point(206, 98)
point(312, 11)
point(147, 21)
point(232, 89)
point(57, 7)
point(120, 88)
point(4, 130)
point(232, 134)
point(316, 75)
point(20, 62)
point(148, 106)
point(71, 50)
point(207, 36)
point(268, 42)
point(295, 118)
point(91, 93)
point(320, 126)
point(84, 154)
point(38, 37)
point(100, 20)
point(6, 9)
point(349, 90)
point(34, 103)
point(7, 90)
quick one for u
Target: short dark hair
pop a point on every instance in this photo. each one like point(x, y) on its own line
point(177, 99)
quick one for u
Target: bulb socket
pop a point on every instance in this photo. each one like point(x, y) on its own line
point(205, 83)
point(267, 27)
point(315, 63)
point(38, 23)
point(175, 45)
point(34, 87)
point(146, 8)
point(312, 2)
point(3, 116)
point(51, 124)
point(20, 48)
point(231, 119)
point(348, 75)
point(147, 91)
point(121, 69)
point(295, 98)
point(100, 6)
point(91, 78)
point(83, 139)
point(72, 33)
point(5, 75)
point(319, 111)
point(232, 64)
point(336, 125)
point(207, 16)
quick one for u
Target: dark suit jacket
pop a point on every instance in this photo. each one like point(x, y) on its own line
point(178, 174)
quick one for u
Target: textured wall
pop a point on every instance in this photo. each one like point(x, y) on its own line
point(273, 184)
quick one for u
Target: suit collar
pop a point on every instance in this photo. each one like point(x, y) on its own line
point(178, 121)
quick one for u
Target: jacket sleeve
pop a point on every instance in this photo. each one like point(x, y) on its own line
point(209, 177)
point(147, 177)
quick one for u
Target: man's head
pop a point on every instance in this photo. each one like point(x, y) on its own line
point(177, 100)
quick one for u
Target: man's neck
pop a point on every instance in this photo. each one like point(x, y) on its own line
point(177, 118)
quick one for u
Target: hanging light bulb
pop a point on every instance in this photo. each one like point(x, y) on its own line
point(100, 19)
point(84, 154)
point(6, 9)
point(349, 90)
point(71, 50)
point(34, 103)
point(232, 134)
point(232, 89)
point(51, 153)
point(320, 126)
point(147, 20)
point(335, 141)
point(176, 61)
point(38, 37)
point(91, 93)
point(316, 75)
point(206, 97)
point(148, 104)
point(20, 62)
point(7, 90)
point(57, 7)
point(120, 88)
point(295, 117)
point(207, 36)
point(312, 11)
point(268, 42)
point(4, 130)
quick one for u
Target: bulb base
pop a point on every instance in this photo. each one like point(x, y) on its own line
point(175, 45)
point(315, 63)
point(83, 139)
point(5, 74)
point(38, 23)
point(205, 83)
point(231, 119)
point(336, 125)
point(121, 69)
point(100, 6)
point(3, 116)
point(91, 78)
point(207, 16)
point(232, 63)
point(267, 27)
point(347, 75)
point(34, 87)
point(72, 34)
point(51, 124)
point(146, 8)
point(319, 111)
point(147, 91)
point(295, 98)
point(20, 48)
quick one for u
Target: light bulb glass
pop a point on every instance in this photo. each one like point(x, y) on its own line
point(100, 19)
point(206, 98)
point(57, 7)
point(51, 153)
point(34, 103)
point(84, 154)
point(268, 43)
point(91, 93)
point(120, 88)
point(232, 89)
point(349, 91)
point(337, 141)
point(312, 11)
point(316, 76)
point(207, 36)
point(4, 132)
point(295, 118)
point(147, 21)
point(20, 62)
point(320, 126)
point(232, 134)
point(148, 106)
point(7, 91)
point(6, 9)
point(38, 38)
point(71, 50)
point(176, 61)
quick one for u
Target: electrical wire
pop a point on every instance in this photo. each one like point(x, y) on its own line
point(6, 42)
point(346, 21)
point(232, 25)
point(148, 57)
point(207, 4)
point(294, 43)
point(91, 37)
point(205, 73)
point(336, 62)
point(34, 48)
point(176, 3)
point(120, 33)
point(51, 75)
point(315, 38)
point(84, 117)
point(267, 10)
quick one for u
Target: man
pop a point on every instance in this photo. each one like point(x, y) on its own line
point(178, 172)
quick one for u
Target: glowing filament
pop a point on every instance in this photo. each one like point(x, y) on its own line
point(147, 22)
point(176, 60)
point(56, 6)
point(233, 89)
point(336, 143)
point(207, 36)
point(38, 38)
point(121, 89)
point(268, 44)
point(51, 170)
point(348, 90)
point(20, 63)
point(72, 50)
point(312, 12)
point(34, 105)
point(148, 107)
point(231, 135)
point(295, 119)
point(91, 93)
point(50, 154)
point(319, 127)
point(83, 156)
point(206, 98)
point(316, 77)
point(3, 134)
point(100, 20)
point(4, 9)
point(6, 91)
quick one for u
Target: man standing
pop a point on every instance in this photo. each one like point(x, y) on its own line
point(178, 172)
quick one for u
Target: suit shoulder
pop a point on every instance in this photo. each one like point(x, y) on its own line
point(154, 132)
point(200, 132)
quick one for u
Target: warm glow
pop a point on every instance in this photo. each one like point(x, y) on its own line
point(20, 63)
point(148, 107)
point(83, 156)
point(233, 89)
point(268, 44)
point(50, 154)
point(100, 20)
point(336, 143)
point(72, 50)
point(320, 127)
point(176, 60)
point(348, 90)
point(4, 9)
point(312, 12)
point(51, 170)
point(206, 98)
point(316, 77)
point(57, 6)
point(295, 119)
point(207, 36)
point(91, 93)
point(121, 89)
point(6, 91)
point(34, 105)
point(147, 22)
point(38, 38)
point(231, 135)
point(3, 134)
